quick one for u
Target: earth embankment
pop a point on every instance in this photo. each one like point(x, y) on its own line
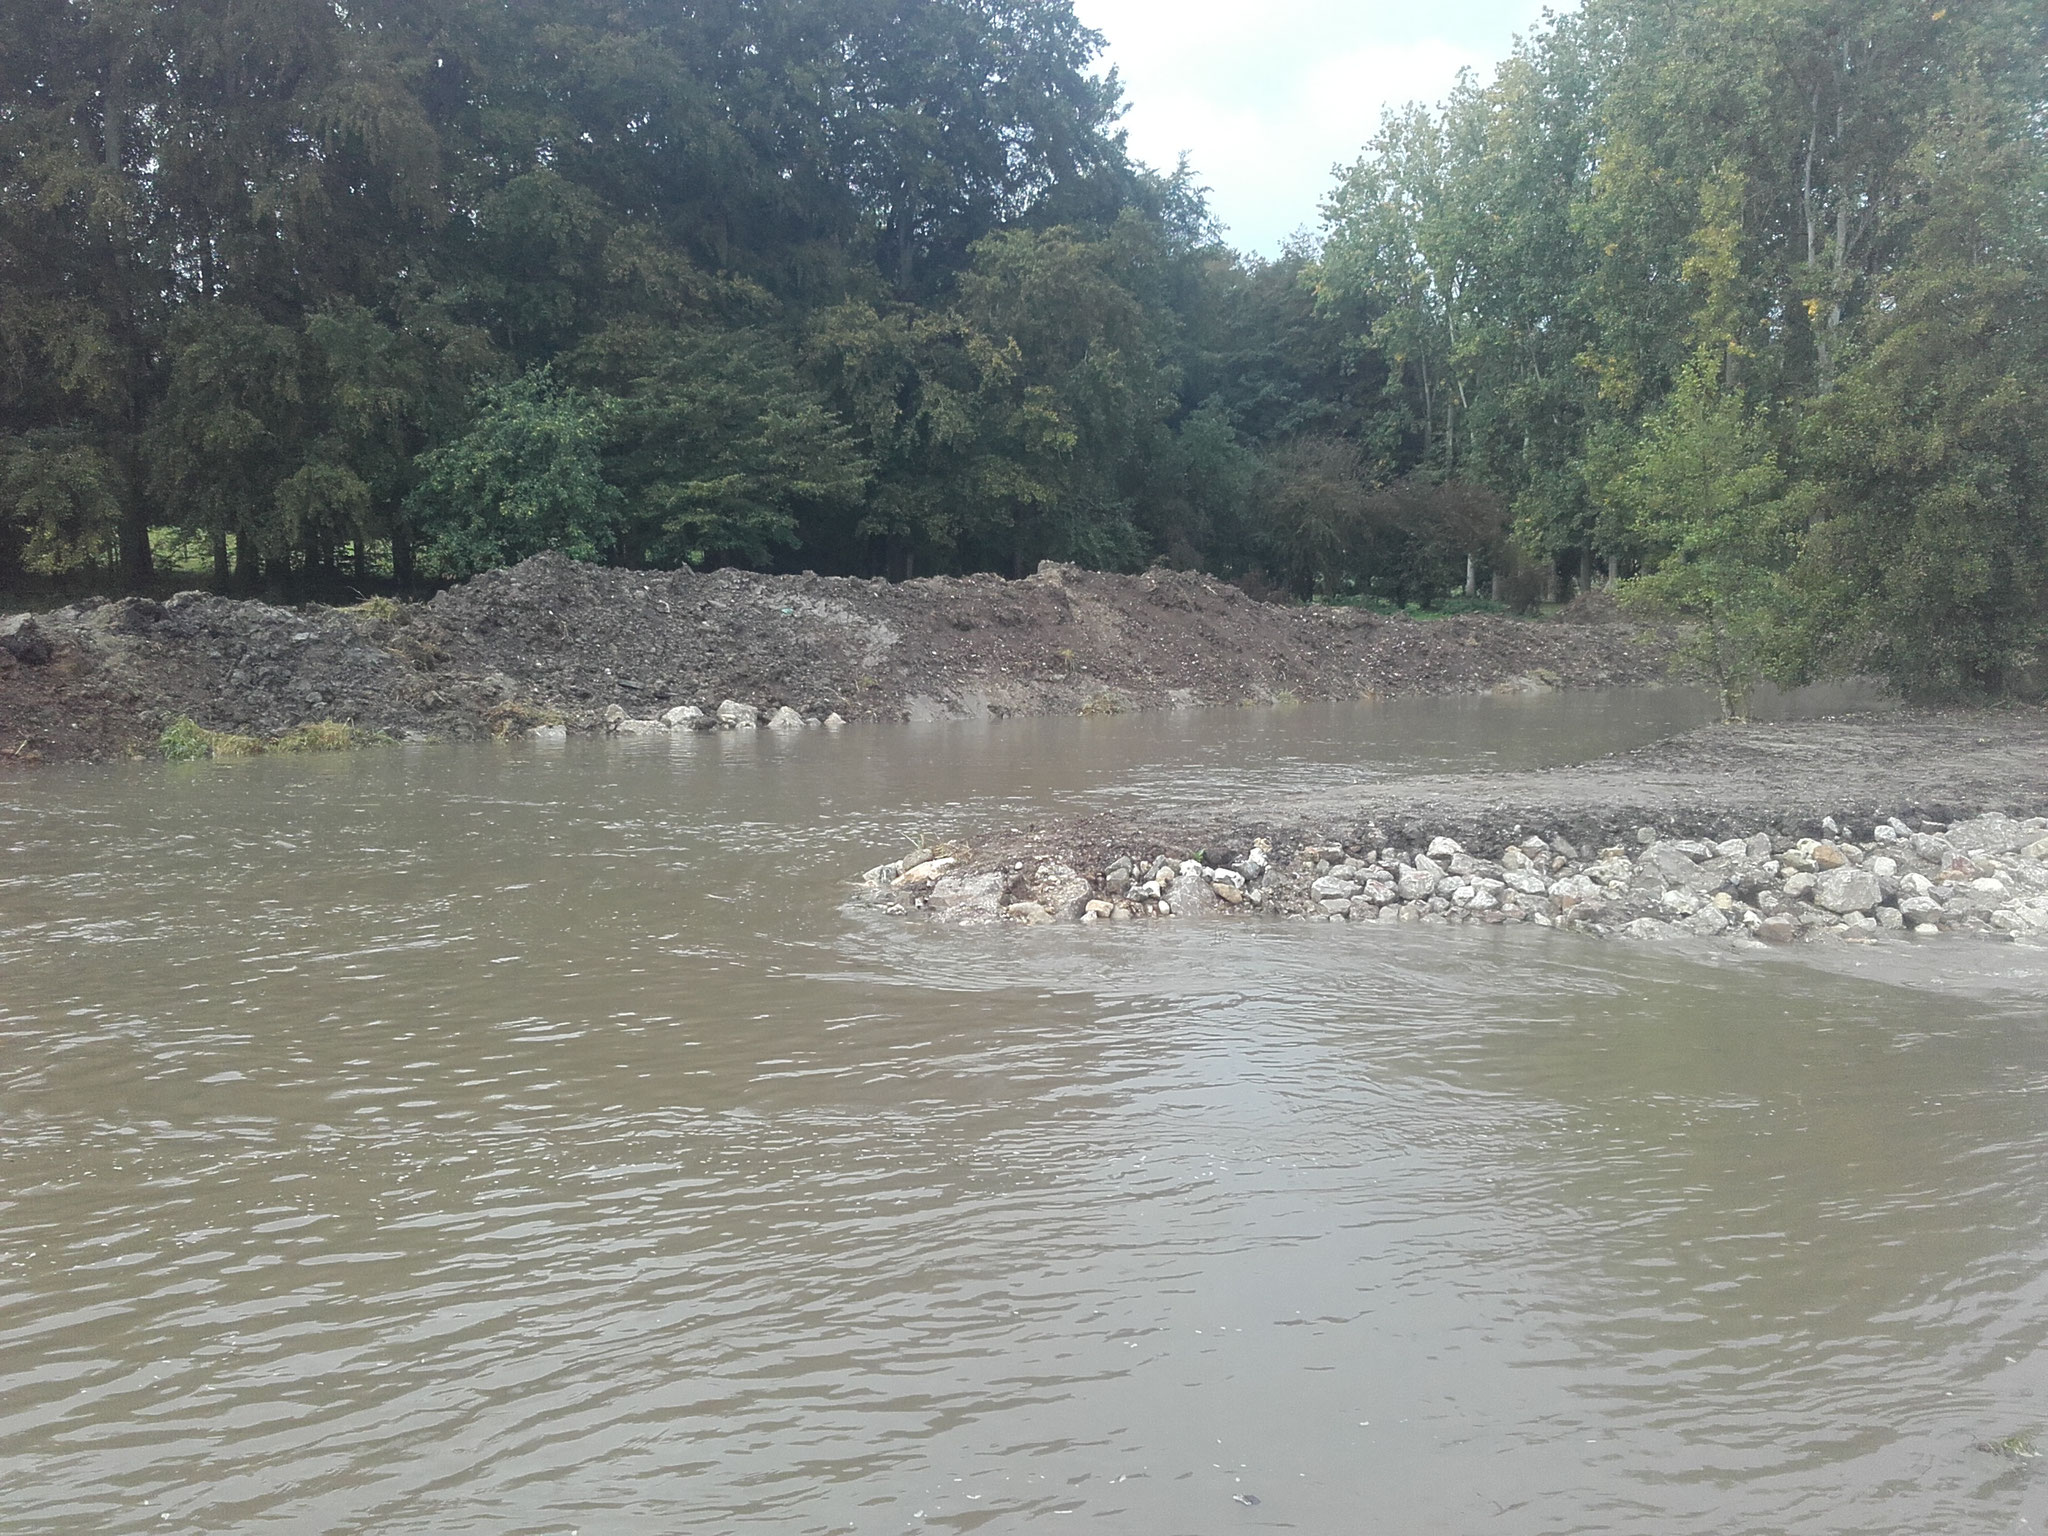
point(551, 640)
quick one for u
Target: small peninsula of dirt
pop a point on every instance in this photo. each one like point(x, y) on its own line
point(555, 642)
point(1908, 824)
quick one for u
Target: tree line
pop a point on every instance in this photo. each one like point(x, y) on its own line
point(1735, 304)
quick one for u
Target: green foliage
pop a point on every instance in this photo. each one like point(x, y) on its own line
point(877, 289)
point(1800, 195)
point(60, 499)
point(1930, 461)
point(184, 741)
point(1703, 494)
point(1316, 514)
point(1449, 608)
point(527, 476)
point(714, 444)
point(322, 736)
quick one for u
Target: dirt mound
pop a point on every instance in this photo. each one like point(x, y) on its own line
point(555, 638)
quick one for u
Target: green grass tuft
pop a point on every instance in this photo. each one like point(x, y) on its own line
point(186, 741)
point(322, 736)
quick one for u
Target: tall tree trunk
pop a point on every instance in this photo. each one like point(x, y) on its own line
point(248, 564)
point(138, 566)
point(401, 559)
point(1428, 405)
point(1471, 574)
point(223, 571)
point(906, 241)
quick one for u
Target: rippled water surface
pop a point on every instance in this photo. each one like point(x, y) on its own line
point(484, 1140)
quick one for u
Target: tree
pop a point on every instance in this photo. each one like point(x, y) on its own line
point(1073, 395)
point(1704, 495)
point(1316, 499)
point(1930, 459)
point(528, 476)
point(714, 442)
point(225, 436)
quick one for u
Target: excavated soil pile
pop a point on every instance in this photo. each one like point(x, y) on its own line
point(553, 639)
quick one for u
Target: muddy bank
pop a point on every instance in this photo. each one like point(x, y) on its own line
point(554, 643)
point(1907, 825)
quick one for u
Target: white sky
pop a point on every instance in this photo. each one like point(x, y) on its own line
point(1268, 95)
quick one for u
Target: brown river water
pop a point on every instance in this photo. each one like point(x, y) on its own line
point(502, 1140)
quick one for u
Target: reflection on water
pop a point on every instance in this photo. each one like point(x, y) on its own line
point(533, 1141)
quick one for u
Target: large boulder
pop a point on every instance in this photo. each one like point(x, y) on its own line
point(1678, 866)
point(1062, 890)
point(1417, 884)
point(1193, 894)
point(1848, 890)
point(968, 901)
point(1990, 834)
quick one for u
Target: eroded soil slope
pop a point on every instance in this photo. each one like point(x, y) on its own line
point(551, 637)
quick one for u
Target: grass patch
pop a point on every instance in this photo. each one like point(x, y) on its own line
point(322, 736)
point(1448, 608)
point(186, 741)
point(1103, 704)
point(380, 610)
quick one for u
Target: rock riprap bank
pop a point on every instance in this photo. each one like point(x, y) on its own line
point(1988, 876)
point(1895, 824)
point(553, 644)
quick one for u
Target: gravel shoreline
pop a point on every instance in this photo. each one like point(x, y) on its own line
point(1861, 828)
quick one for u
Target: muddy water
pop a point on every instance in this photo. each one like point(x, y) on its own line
point(491, 1141)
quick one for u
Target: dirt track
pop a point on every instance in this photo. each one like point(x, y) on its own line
point(551, 637)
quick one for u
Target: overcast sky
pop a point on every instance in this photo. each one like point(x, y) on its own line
point(1268, 95)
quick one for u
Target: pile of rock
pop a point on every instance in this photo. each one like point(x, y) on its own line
point(1986, 876)
point(729, 716)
